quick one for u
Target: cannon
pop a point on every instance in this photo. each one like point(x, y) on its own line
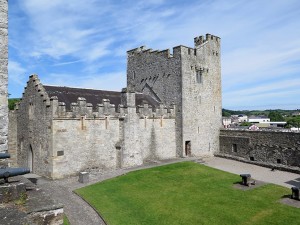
point(12, 172)
point(4, 155)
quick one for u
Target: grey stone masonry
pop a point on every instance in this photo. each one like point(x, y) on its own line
point(190, 78)
point(56, 140)
point(170, 108)
point(3, 74)
point(12, 138)
point(279, 150)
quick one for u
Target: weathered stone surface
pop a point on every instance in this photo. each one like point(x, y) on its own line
point(280, 150)
point(3, 74)
point(11, 191)
point(173, 79)
point(12, 138)
point(58, 139)
point(63, 143)
point(33, 207)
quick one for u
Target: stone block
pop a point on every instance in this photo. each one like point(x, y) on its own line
point(84, 177)
point(11, 192)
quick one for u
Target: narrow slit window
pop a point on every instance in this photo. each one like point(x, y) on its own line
point(199, 76)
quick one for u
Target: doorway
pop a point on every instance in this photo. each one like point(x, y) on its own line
point(188, 149)
point(30, 158)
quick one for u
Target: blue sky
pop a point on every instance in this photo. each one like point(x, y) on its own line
point(83, 43)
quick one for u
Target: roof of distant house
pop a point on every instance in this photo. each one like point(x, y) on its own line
point(259, 117)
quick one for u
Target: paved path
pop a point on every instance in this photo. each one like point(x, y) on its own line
point(285, 179)
point(80, 213)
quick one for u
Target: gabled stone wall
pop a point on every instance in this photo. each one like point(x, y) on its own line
point(34, 129)
point(63, 141)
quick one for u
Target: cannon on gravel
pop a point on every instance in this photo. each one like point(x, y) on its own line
point(4, 155)
point(12, 172)
point(6, 172)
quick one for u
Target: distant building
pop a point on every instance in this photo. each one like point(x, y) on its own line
point(258, 119)
point(226, 121)
point(242, 118)
point(296, 113)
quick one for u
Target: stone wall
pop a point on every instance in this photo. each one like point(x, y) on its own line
point(59, 141)
point(12, 138)
point(268, 148)
point(158, 73)
point(3, 74)
point(81, 144)
point(34, 129)
point(201, 94)
point(172, 78)
point(111, 141)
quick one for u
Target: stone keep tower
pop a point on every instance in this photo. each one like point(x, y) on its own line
point(190, 78)
point(3, 74)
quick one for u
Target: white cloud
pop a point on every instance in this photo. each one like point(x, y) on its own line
point(108, 81)
point(16, 72)
point(259, 40)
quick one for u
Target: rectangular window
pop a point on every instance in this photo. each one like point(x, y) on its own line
point(199, 76)
point(234, 148)
point(60, 153)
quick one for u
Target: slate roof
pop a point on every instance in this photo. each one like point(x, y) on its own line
point(70, 94)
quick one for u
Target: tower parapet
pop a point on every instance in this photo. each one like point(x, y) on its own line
point(208, 37)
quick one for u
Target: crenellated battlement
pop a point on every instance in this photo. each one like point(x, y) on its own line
point(177, 51)
point(208, 37)
point(161, 111)
point(105, 109)
point(150, 52)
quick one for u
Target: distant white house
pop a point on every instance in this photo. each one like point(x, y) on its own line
point(296, 113)
point(226, 121)
point(242, 118)
point(264, 121)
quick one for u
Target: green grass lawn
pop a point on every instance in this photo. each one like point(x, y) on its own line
point(66, 220)
point(187, 193)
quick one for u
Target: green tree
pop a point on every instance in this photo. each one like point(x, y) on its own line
point(225, 113)
point(12, 103)
point(275, 116)
point(245, 124)
point(293, 122)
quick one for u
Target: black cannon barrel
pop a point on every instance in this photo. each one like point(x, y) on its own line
point(11, 172)
point(4, 155)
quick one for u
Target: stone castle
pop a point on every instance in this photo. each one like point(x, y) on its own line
point(170, 108)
